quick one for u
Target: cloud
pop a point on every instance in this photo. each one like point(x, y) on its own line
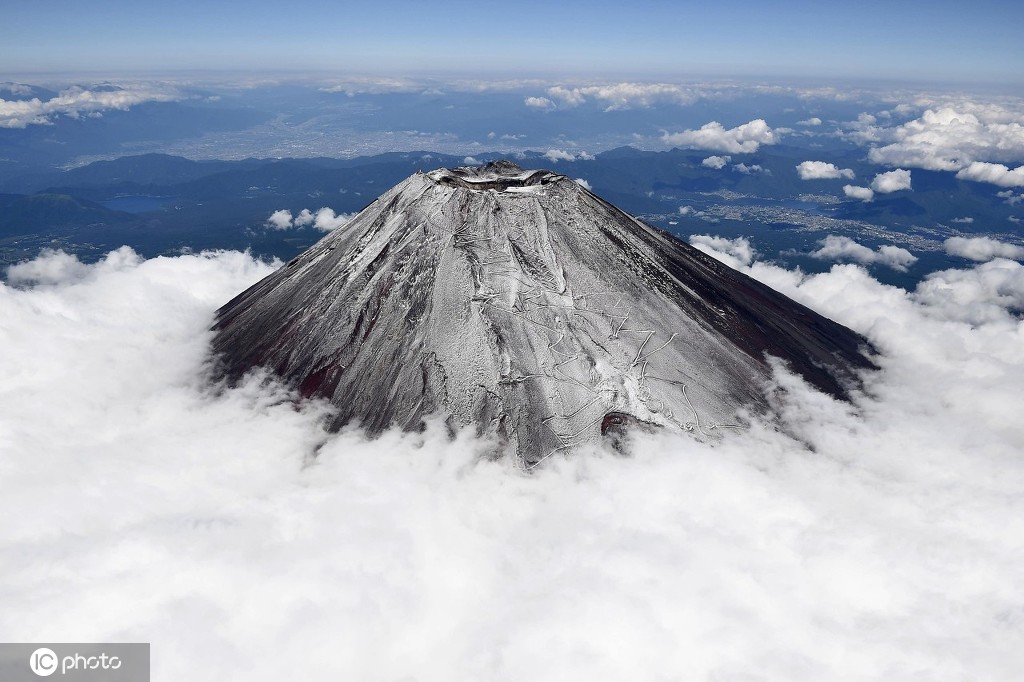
point(893, 181)
point(982, 248)
point(753, 169)
point(324, 219)
point(862, 193)
point(584, 184)
point(845, 249)
point(953, 137)
point(630, 94)
point(223, 523)
point(977, 296)
point(732, 252)
point(539, 103)
point(16, 89)
point(812, 121)
point(555, 155)
point(568, 97)
point(713, 136)
point(280, 220)
point(966, 220)
point(618, 96)
point(373, 85)
point(819, 170)
point(77, 101)
point(863, 130)
point(685, 210)
point(995, 173)
point(471, 161)
point(1011, 198)
point(716, 162)
point(56, 267)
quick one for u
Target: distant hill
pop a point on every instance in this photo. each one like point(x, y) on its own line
point(31, 214)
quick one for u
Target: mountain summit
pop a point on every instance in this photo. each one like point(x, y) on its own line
point(521, 304)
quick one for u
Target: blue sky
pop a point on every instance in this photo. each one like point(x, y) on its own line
point(934, 41)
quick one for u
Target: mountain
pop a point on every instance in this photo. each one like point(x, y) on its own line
point(521, 304)
point(28, 214)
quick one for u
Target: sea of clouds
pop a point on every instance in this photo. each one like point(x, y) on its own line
point(877, 541)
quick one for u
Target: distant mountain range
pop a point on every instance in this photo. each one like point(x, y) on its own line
point(160, 204)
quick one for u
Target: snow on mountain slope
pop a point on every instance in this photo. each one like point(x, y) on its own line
point(522, 304)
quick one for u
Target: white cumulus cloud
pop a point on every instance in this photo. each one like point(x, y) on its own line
point(713, 136)
point(982, 294)
point(751, 169)
point(732, 252)
point(324, 219)
point(570, 97)
point(995, 173)
point(812, 121)
point(539, 103)
point(716, 162)
point(838, 248)
point(855, 192)
point(953, 137)
point(892, 181)
point(626, 95)
point(555, 155)
point(982, 248)
point(820, 170)
point(280, 220)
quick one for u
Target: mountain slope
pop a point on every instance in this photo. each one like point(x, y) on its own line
point(519, 302)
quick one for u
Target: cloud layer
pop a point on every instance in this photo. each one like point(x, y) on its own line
point(78, 101)
point(879, 541)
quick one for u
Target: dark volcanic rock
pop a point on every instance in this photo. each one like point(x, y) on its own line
point(519, 302)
